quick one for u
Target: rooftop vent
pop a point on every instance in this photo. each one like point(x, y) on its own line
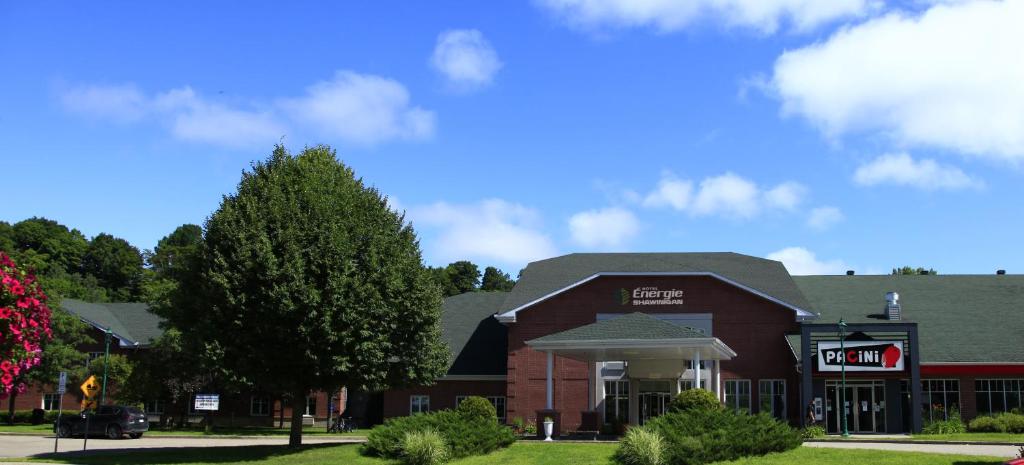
point(1000, 272)
point(849, 272)
point(892, 305)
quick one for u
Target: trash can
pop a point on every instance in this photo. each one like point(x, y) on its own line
point(38, 416)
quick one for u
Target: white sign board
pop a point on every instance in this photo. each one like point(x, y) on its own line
point(207, 402)
point(62, 383)
point(861, 356)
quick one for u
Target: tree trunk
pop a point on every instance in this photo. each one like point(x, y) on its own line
point(10, 407)
point(298, 408)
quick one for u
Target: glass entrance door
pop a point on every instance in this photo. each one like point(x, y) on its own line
point(653, 398)
point(864, 407)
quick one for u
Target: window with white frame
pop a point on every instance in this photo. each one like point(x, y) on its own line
point(259, 406)
point(616, 401)
point(310, 406)
point(685, 385)
point(737, 394)
point(51, 401)
point(497, 401)
point(419, 404)
point(939, 397)
point(772, 394)
point(998, 395)
point(154, 406)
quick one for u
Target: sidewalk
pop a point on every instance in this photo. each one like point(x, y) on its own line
point(992, 450)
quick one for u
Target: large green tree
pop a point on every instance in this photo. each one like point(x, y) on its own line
point(495, 280)
point(116, 264)
point(308, 281)
point(61, 247)
point(909, 270)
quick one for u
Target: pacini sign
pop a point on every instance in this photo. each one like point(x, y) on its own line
point(861, 356)
point(650, 296)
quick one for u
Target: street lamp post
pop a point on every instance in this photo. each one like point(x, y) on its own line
point(106, 359)
point(842, 388)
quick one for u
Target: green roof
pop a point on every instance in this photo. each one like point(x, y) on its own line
point(544, 277)
point(131, 322)
point(631, 326)
point(960, 318)
point(477, 341)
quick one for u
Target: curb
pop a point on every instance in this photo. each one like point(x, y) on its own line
point(923, 441)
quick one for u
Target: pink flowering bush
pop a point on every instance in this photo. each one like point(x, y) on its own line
point(24, 325)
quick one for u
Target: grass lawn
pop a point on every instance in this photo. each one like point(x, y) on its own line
point(522, 453)
point(975, 437)
point(250, 431)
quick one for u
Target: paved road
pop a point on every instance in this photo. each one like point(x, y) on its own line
point(22, 446)
point(963, 449)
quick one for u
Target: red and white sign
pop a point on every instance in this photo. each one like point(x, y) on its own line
point(861, 356)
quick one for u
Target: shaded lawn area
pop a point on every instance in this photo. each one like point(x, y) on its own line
point(47, 428)
point(522, 453)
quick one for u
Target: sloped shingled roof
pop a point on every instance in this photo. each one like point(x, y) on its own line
point(543, 277)
point(960, 318)
point(477, 341)
point(130, 322)
point(632, 326)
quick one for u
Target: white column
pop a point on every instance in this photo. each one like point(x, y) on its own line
point(718, 379)
point(696, 370)
point(550, 386)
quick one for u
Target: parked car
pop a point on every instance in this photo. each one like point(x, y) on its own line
point(112, 421)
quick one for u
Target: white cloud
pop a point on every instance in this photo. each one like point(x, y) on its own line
point(822, 218)
point(491, 229)
point(122, 103)
point(610, 227)
point(465, 58)
point(950, 78)
point(353, 108)
point(800, 261)
point(671, 192)
point(764, 16)
point(901, 169)
point(362, 109)
point(727, 195)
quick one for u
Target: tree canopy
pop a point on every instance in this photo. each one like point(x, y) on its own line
point(908, 270)
point(464, 276)
point(308, 281)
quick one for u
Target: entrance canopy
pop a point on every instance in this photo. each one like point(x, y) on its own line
point(635, 336)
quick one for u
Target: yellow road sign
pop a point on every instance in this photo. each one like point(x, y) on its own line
point(90, 388)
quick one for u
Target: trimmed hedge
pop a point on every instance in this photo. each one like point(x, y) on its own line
point(464, 434)
point(477, 407)
point(25, 416)
point(694, 399)
point(998, 423)
point(704, 436)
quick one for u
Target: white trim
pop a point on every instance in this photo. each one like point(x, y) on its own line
point(473, 378)
point(510, 315)
point(711, 342)
point(421, 397)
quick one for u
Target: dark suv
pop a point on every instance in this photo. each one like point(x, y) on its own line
point(113, 421)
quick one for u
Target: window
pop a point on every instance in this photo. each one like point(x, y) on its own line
point(154, 406)
point(51, 401)
point(685, 385)
point(419, 404)
point(998, 395)
point(616, 401)
point(938, 398)
point(310, 406)
point(737, 394)
point(773, 397)
point(497, 401)
point(259, 406)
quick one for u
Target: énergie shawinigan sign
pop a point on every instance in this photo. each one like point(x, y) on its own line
point(861, 356)
point(651, 295)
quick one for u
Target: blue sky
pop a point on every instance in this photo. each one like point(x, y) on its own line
point(849, 134)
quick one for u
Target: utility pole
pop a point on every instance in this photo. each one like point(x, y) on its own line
point(106, 358)
point(842, 352)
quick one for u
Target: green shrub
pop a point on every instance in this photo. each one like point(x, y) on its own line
point(703, 436)
point(24, 417)
point(694, 399)
point(953, 425)
point(465, 436)
point(423, 448)
point(1013, 422)
point(813, 432)
point(477, 407)
point(641, 447)
point(986, 424)
point(998, 423)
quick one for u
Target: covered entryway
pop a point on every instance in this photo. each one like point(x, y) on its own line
point(657, 354)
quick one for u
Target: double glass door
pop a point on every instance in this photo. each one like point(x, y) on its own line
point(864, 405)
point(654, 397)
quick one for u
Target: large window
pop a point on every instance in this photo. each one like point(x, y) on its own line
point(616, 401)
point(773, 397)
point(938, 398)
point(51, 401)
point(259, 406)
point(497, 401)
point(998, 395)
point(310, 406)
point(737, 394)
point(419, 404)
